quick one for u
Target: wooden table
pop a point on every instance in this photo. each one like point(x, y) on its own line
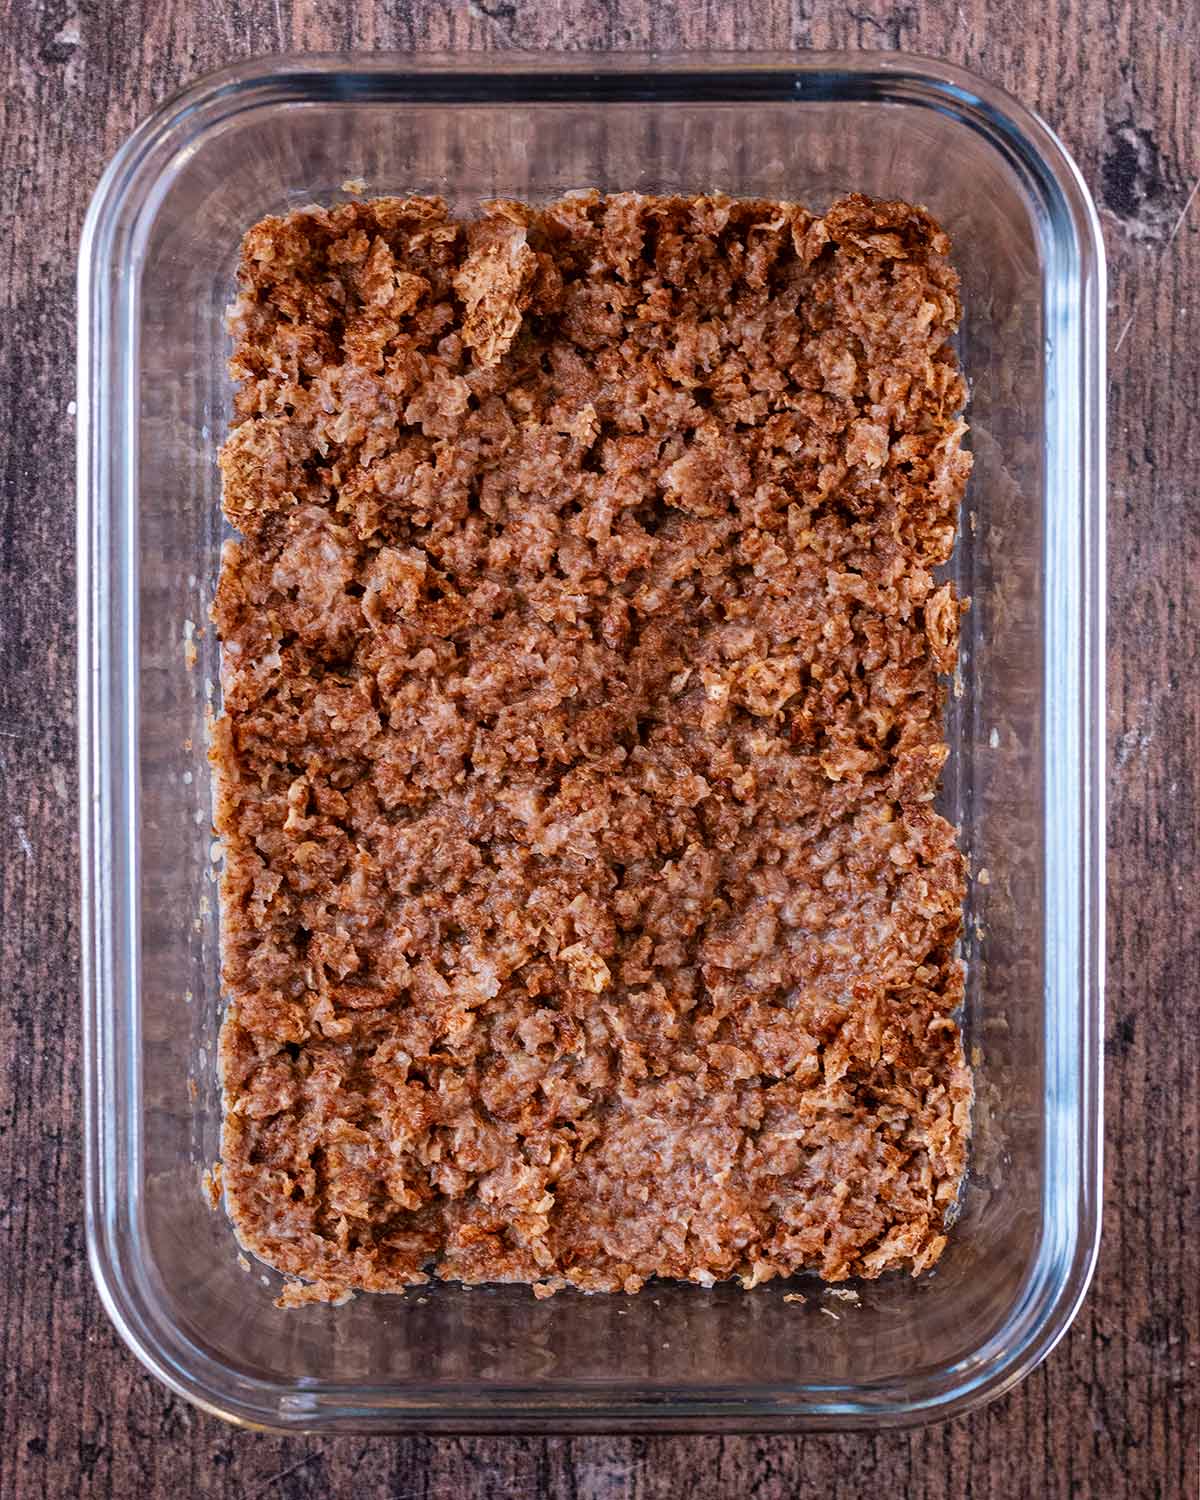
point(1113, 1412)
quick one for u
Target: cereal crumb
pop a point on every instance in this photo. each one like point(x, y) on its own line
point(583, 674)
point(308, 1294)
point(798, 1297)
point(211, 1183)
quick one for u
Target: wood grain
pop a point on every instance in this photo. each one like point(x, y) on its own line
point(1113, 1412)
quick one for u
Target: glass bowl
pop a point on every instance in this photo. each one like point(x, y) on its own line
point(1025, 725)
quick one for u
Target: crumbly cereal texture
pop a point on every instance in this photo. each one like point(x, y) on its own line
point(586, 917)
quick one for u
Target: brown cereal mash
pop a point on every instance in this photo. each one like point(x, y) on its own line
point(585, 913)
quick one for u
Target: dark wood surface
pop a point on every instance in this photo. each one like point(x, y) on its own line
point(1113, 1412)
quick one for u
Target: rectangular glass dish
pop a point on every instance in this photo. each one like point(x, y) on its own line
point(1025, 726)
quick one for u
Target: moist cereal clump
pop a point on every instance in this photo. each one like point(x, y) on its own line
point(585, 914)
